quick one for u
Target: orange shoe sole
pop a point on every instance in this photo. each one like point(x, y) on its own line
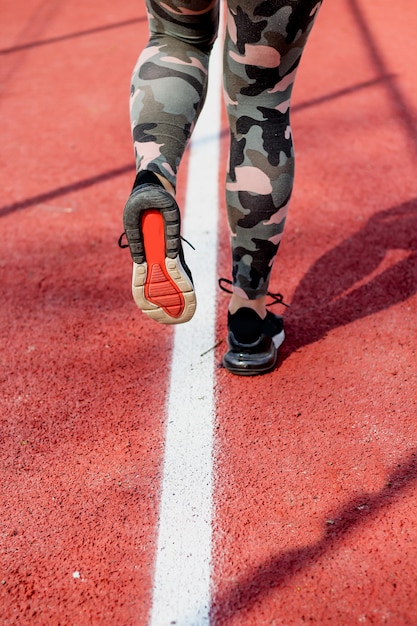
point(162, 286)
point(159, 288)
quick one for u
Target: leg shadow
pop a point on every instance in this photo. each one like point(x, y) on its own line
point(344, 285)
point(254, 585)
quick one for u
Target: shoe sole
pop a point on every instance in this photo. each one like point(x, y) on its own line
point(162, 286)
point(246, 364)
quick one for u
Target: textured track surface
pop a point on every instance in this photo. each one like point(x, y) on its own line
point(315, 464)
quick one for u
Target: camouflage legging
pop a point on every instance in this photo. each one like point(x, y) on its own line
point(264, 42)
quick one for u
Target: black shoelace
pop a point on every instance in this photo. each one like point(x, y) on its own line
point(120, 241)
point(126, 245)
point(277, 298)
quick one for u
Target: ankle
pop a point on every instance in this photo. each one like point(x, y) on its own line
point(166, 184)
point(147, 176)
point(258, 305)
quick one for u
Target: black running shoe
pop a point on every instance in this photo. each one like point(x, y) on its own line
point(253, 342)
point(162, 285)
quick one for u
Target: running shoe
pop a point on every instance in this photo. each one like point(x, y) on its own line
point(253, 342)
point(162, 285)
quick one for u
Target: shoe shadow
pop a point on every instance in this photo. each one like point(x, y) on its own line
point(369, 272)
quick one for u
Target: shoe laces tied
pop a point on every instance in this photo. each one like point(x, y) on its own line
point(277, 298)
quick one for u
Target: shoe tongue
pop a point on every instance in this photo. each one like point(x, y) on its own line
point(245, 324)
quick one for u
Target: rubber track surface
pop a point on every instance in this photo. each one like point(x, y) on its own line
point(316, 464)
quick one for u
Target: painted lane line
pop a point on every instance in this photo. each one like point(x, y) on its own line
point(181, 590)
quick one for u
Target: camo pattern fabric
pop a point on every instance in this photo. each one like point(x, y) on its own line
point(264, 42)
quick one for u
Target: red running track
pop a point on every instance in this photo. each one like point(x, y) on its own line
point(315, 464)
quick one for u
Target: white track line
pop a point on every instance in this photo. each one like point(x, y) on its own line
point(181, 591)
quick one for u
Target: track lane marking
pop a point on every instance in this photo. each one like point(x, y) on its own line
point(181, 589)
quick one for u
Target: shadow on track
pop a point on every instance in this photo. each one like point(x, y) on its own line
point(399, 101)
point(65, 189)
point(344, 285)
point(76, 35)
point(258, 582)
